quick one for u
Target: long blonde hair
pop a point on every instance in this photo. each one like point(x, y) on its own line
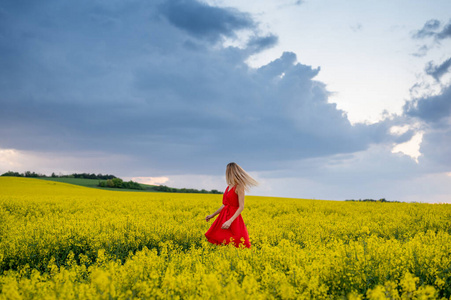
point(236, 175)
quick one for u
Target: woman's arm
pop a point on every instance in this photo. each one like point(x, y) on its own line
point(218, 211)
point(240, 191)
point(214, 214)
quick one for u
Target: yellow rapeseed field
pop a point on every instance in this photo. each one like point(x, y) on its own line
point(60, 241)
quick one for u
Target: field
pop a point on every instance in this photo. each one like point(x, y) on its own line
point(61, 241)
point(94, 183)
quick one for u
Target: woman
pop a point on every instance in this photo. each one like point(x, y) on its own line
point(229, 225)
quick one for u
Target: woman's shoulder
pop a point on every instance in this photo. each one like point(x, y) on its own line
point(239, 188)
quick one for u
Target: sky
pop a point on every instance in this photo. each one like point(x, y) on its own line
point(316, 99)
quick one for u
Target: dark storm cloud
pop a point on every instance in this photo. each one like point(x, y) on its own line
point(434, 112)
point(259, 43)
point(436, 147)
point(437, 71)
point(432, 115)
point(204, 21)
point(118, 78)
point(446, 32)
point(432, 109)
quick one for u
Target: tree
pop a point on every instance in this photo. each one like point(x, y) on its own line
point(11, 173)
point(117, 182)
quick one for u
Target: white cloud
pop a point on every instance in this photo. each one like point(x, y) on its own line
point(411, 147)
point(150, 180)
point(64, 163)
point(399, 130)
point(9, 159)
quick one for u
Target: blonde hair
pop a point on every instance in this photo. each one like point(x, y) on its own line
point(236, 175)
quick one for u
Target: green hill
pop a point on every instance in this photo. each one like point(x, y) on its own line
point(106, 182)
point(94, 183)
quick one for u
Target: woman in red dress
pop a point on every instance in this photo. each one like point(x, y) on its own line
point(229, 225)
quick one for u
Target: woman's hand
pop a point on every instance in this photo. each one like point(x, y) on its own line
point(226, 225)
point(207, 218)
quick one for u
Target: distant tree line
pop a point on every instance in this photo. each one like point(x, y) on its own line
point(26, 174)
point(86, 176)
point(73, 175)
point(163, 188)
point(371, 200)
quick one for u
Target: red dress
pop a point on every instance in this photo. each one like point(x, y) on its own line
point(237, 229)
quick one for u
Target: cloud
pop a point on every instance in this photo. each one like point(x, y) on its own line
point(434, 114)
point(411, 148)
point(258, 43)
point(114, 80)
point(436, 147)
point(203, 21)
point(428, 29)
point(150, 180)
point(438, 71)
point(374, 173)
point(422, 51)
point(445, 33)
point(434, 109)
point(64, 163)
point(431, 29)
point(146, 89)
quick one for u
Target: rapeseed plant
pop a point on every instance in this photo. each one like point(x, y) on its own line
point(60, 241)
